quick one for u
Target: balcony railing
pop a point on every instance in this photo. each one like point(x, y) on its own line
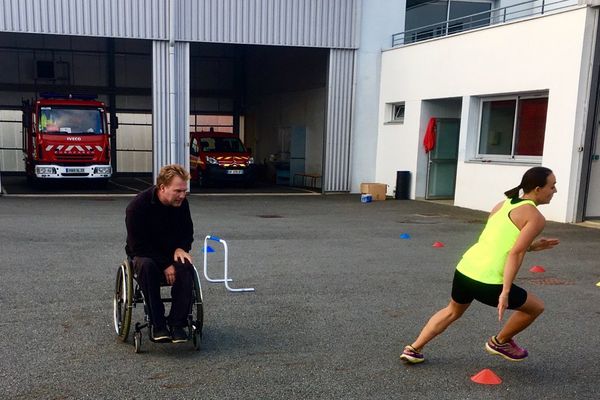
point(478, 20)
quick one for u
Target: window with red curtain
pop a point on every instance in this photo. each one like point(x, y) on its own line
point(531, 127)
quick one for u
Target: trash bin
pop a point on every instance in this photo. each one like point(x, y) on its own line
point(402, 185)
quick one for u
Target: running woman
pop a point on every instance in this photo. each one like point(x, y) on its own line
point(487, 270)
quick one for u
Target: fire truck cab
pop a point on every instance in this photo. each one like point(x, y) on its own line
point(66, 137)
point(220, 157)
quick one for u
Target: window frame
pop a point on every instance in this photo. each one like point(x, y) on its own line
point(509, 157)
point(391, 113)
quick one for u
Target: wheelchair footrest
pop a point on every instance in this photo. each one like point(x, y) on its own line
point(139, 327)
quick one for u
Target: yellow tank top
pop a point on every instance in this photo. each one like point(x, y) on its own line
point(484, 261)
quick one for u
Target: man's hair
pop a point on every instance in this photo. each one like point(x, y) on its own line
point(168, 172)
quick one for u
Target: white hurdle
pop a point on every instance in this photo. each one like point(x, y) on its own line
point(226, 278)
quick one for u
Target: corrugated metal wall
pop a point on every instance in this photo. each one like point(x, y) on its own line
point(170, 105)
point(339, 121)
point(311, 23)
point(143, 19)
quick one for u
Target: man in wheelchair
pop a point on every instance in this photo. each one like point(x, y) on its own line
point(160, 233)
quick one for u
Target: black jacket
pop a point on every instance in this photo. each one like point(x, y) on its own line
point(155, 230)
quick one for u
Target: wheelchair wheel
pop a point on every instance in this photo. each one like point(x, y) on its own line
point(196, 317)
point(123, 300)
point(137, 341)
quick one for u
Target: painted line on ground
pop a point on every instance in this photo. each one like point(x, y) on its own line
point(143, 181)
point(125, 187)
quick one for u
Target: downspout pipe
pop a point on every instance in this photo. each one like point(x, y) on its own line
point(172, 126)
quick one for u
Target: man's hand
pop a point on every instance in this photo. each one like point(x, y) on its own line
point(170, 274)
point(182, 255)
point(543, 244)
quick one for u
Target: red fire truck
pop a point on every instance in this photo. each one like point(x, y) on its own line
point(220, 157)
point(66, 137)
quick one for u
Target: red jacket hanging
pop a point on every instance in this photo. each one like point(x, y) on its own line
point(429, 139)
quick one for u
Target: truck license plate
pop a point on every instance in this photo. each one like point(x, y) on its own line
point(235, 171)
point(75, 170)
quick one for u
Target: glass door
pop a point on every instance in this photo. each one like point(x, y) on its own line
point(441, 171)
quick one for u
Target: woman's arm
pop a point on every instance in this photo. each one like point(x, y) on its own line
point(543, 244)
point(531, 223)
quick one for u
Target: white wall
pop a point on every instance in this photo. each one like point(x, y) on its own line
point(379, 21)
point(286, 110)
point(548, 53)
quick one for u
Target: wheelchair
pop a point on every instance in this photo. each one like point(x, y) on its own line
point(128, 295)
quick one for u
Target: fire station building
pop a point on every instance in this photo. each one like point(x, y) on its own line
point(345, 87)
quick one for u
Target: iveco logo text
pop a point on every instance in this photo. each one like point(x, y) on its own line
point(74, 139)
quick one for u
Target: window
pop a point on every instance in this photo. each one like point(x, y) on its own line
point(204, 123)
point(426, 19)
point(45, 69)
point(396, 112)
point(512, 127)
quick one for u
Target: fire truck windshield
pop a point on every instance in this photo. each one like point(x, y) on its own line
point(222, 144)
point(68, 120)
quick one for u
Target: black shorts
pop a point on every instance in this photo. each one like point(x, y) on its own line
point(465, 290)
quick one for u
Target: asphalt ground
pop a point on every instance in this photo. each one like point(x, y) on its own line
point(338, 294)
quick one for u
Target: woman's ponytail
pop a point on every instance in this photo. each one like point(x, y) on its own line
point(513, 193)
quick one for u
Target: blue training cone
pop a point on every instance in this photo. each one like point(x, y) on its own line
point(208, 249)
point(405, 236)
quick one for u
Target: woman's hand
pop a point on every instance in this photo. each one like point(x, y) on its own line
point(502, 305)
point(543, 244)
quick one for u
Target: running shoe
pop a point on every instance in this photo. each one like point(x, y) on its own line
point(509, 350)
point(411, 355)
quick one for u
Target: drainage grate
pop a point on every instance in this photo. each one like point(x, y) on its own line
point(269, 216)
point(548, 281)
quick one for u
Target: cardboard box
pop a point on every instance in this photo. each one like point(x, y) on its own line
point(376, 190)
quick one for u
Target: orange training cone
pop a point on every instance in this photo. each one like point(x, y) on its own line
point(438, 244)
point(486, 377)
point(537, 268)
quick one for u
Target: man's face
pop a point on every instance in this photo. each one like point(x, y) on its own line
point(174, 193)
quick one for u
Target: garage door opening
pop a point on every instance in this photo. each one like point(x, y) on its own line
point(271, 98)
point(117, 72)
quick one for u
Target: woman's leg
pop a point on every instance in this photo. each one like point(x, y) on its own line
point(521, 318)
point(439, 322)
